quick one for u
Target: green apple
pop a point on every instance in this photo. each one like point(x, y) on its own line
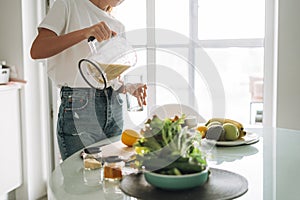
point(231, 131)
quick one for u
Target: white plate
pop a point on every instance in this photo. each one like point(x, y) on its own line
point(249, 138)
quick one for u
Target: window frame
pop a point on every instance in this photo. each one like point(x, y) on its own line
point(193, 34)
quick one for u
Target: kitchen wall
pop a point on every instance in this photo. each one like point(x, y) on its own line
point(288, 86)
point(10, 29)
point(18, 22)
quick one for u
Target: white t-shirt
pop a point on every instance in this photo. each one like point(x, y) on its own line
point(66, 16)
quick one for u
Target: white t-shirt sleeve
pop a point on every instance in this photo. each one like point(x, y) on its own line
point(56, 18)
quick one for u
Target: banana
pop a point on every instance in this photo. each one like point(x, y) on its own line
point(242, 134)
point(226, 120)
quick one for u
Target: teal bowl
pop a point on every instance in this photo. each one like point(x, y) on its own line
point(177, 182)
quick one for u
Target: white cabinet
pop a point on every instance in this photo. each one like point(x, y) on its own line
point(10, 139)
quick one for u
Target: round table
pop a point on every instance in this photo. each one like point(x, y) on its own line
point(270, 167)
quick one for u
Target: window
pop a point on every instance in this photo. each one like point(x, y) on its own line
point(230, 19)
point(202, 52)
point(132, 14)
point(233, 38)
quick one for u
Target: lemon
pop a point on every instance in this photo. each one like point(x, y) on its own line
point(129, 137)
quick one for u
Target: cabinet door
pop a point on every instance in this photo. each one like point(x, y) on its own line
point(10, 143)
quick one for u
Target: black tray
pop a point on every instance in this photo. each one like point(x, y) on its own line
point(221, 185)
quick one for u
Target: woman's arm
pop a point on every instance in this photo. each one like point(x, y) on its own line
point(48, 44)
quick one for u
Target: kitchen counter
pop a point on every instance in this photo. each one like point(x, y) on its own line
point(11, 86)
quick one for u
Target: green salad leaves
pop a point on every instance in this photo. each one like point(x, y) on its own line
point(167, 147)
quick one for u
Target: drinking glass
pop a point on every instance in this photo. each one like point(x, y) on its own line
point(132, 101)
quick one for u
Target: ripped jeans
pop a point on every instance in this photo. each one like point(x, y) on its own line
point(87, 116)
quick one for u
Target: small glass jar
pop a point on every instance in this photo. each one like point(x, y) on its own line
point(92, 158)
point(112, 167)
point(92, 164)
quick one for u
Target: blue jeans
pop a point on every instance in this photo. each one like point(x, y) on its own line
point(87, 116)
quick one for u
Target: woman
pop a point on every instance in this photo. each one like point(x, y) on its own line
point(85, 115)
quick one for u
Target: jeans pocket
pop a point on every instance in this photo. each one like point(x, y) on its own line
point(74, 102)
point(73, 107)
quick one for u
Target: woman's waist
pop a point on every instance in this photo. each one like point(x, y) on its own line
point(66, 92)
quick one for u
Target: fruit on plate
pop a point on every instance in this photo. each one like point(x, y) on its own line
point(202, 130)
point(215, 132)
point(222, 121)
point(129, 137)
point(231, 131)
point(213, 123)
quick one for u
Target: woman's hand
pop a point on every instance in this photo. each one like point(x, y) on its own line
point(138, 90)
point(100, 31)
